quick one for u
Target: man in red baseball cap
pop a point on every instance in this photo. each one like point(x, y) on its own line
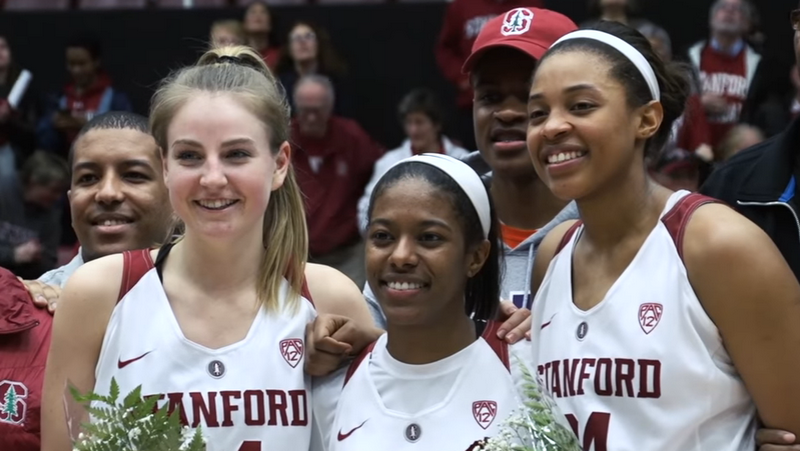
point(500, 68)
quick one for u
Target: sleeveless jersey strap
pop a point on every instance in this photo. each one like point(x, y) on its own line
point(135, 265)
point(567, 236)
point(357, 362)
point(500, 347)
point(676, 218)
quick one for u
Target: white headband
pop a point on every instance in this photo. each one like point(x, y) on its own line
point(626, 49)
point(466, 177)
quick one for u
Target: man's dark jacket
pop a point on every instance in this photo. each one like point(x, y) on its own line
point(760, 184)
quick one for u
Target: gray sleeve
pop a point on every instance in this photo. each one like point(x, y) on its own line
point(374, 307)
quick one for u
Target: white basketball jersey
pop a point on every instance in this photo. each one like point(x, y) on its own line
point(645, 369)
point(249, 396)
point(483, 394)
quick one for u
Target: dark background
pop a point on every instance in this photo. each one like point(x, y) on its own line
point(389, 48)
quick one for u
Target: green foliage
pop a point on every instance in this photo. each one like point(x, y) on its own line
point(135, 424)
point(538, 425)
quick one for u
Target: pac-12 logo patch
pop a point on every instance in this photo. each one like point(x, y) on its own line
point(12, 402)
point(292, 351)
point(649, 316)
point(517, 21)
point(484, 412)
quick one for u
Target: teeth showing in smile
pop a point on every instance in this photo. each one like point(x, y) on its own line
point(564, 156)
point(113, 222)
point(403, 286)
point(216, 204)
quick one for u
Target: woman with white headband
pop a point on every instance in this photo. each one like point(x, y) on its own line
point(439, 379)
point(662, 320)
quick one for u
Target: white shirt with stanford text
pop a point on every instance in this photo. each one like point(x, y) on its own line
point(645, 369)
point(252, 395)
point(446, 405)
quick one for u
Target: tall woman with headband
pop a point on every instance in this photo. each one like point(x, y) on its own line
point(433, 262)
point(214, 323)
point(662, 320)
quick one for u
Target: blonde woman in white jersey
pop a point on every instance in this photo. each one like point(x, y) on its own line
point(215, 327)
point(433, 261)
point(662, 320)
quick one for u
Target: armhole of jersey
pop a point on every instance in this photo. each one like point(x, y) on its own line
point(567, 236)
point(676, 219)
point(357, 362)
point(135, 264)
point(500, 347)
point(306, 293)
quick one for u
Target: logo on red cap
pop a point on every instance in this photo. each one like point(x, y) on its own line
point(517, 21)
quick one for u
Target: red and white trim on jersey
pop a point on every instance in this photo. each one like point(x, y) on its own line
point(248, 396)
point(645, 369)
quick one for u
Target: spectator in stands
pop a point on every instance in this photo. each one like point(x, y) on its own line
point(622, 11)
point(463, 21)
point(422, 118)
point(740, 137)
point(676, 169)
point(310, 52)
point(29, 217)
point(117, 193)
point(17, 120)
point(334, 158)
point(227, 32)
point(726, 65)
point(259, 31)
point(89, 92)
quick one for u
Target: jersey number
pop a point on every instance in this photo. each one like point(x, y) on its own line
point(595, 432)
point(250, 446)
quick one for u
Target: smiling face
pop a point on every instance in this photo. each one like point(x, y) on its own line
point(220, 169)
point(416, 254)
point(582, 134)
point(501, 81)
point(117, 197)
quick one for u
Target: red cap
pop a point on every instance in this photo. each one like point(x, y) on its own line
point(530, 30)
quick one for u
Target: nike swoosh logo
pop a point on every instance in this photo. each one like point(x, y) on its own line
point(341, 436)
point(123, 363)
point(551, 320)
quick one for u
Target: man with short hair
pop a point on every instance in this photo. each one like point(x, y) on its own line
point(117, 194)
point(333, 159)
point(119, 202)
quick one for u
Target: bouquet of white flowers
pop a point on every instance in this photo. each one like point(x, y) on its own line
point(134, 424)
point(537, 425)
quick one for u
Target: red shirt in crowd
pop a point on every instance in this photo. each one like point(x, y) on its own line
point(333, 172)
point(24, 343)
point(463, 21)
point(271, 55)
point(694, 129)
point(724, 75)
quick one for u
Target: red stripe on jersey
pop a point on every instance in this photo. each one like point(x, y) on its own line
point(678, 216)
point(355, 363)
point(567, 236)
point(500, 347)
point(135, 264)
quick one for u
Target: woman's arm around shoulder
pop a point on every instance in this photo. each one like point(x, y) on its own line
point(336, 295)
point(752, 296)
point(545, 253)
point(84, 310)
